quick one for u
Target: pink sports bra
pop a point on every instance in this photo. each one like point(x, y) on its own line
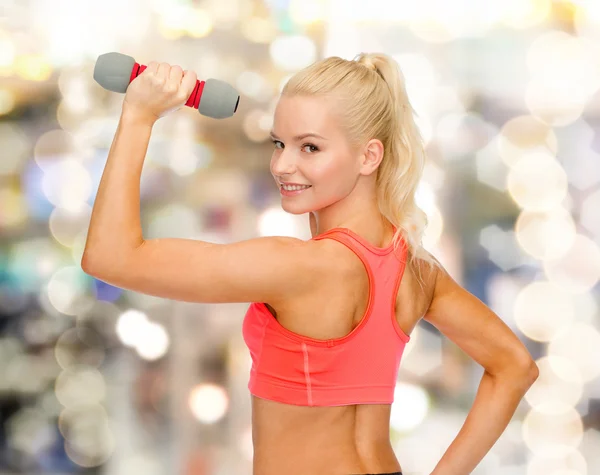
point(359, 368)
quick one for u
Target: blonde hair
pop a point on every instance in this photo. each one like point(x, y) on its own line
point(373, 103)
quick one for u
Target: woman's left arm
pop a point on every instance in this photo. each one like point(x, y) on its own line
point(509, 371)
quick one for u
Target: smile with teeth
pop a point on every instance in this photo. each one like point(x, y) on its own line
point(295, 187)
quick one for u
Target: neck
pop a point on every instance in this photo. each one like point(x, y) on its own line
point(358, 212)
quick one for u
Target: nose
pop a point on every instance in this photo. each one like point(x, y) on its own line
point(283, 164)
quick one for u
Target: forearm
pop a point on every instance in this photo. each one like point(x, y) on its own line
point(495, 403)
point(115, 226)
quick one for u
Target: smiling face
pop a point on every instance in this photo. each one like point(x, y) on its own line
point(327, 163)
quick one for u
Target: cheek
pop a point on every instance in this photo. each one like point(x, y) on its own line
point(335, 175)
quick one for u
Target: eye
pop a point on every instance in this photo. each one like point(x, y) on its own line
point(316, 149)
point(312, 149)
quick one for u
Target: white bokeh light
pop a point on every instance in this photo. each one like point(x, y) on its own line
point(129, 326)
point(410, 406)
point(293, 52)
point(152, 342)
point(208, 402)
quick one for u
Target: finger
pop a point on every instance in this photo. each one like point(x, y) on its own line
point(163, 71)
point(152, 67)
point(188, 83)
point(175, 75)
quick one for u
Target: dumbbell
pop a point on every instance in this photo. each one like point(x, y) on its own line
point(213, 98)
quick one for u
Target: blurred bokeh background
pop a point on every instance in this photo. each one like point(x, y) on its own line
point(95, 379)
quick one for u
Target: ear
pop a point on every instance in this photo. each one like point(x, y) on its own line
point(371, 156)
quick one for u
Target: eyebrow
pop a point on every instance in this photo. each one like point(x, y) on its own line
point(301, 136)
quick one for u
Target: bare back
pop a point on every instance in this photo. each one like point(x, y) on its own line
point(339, 440)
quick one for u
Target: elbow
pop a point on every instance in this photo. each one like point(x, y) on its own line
point(532, 371)
point(529, 375)
point(92, 265)
point(86, 264)
point(112, 270)
point(523, 372)
point(526, 366)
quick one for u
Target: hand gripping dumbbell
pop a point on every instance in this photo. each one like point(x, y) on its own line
point(213, 98)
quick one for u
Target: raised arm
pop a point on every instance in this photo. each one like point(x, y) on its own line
point(509, 371)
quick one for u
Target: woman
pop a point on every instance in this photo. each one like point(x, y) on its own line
point(330, 317)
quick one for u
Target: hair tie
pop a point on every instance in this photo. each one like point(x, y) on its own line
point(368, 62)
point(365, 60)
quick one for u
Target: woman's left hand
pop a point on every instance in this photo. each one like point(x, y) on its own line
point(159, 90)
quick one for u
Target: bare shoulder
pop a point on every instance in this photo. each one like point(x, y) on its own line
point(418, 286)
point(425, 273)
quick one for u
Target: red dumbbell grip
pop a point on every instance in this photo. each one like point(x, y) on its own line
point(194, 99)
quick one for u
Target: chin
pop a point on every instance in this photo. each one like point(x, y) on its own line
point(295, 209)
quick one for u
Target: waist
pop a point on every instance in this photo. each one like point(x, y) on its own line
point(324, 456)
point(321, 440)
